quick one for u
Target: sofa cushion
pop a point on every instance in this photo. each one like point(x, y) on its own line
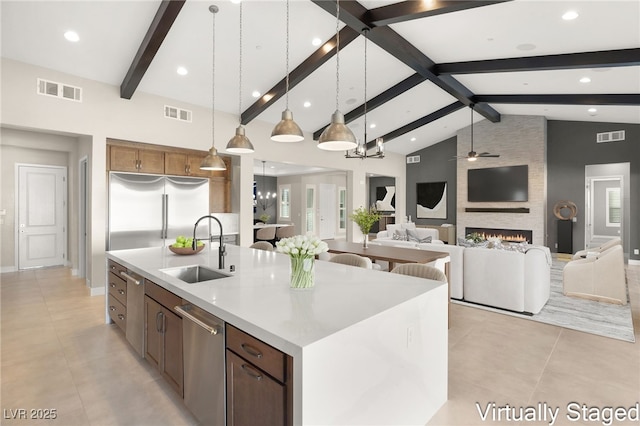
point(400, 235)
point(414, 235)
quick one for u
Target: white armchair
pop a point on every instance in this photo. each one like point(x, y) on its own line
point(599, 277)
point(596, 250)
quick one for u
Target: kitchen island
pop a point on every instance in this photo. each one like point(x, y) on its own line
point(368, 347)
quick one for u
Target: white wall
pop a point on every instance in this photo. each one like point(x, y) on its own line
point(103, 114)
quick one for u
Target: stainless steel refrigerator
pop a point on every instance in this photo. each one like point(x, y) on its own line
point(152, 210)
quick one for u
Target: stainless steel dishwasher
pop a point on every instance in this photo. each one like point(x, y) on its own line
point(204, 366)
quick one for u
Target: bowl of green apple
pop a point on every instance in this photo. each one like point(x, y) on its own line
point(184, 246)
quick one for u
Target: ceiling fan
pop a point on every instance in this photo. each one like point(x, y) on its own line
point(472, 155)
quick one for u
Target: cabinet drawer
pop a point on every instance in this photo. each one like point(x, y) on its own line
point(116, 268)
point(118, 288)
point(118, 312)
point(263, 356)
point(162, 296)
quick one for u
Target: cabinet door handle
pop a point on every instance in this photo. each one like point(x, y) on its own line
point(252, 372)
point(129, 278)
point(112, 308)
point(251, 350)
point(159, 322)
point(121, 317)
point(112, 285)
point(121, 292)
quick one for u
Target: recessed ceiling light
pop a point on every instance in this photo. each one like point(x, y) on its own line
point(235, 1)
point(182, 71)
point(592, 111)
point(307, 104)
point(255, 94)
point(570, 15)
point(316, 41)
point(372, 125)
point(72, 36)
point(412, 139)
point(585, 80)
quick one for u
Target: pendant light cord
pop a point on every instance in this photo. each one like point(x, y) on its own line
point(213, 80)
point(240, 79)
point(337, 53)
point(472, 127)
point(365, 31)
point(287, 61)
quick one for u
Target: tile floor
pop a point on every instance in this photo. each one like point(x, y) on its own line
point(57, 353)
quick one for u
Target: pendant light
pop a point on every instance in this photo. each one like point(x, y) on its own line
point(287, 130)
point(361, 150)
point(212, 161)
point(337, 136)
point(240, 143)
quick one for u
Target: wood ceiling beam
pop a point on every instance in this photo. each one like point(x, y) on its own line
point(158, 30)
point(409, 10)
point(379, 100)
point(423, 121)
point(302, 71)
point(599, 59)
point(619, 99)
point(354, 14)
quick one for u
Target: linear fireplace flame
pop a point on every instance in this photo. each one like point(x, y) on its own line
point(508, 235)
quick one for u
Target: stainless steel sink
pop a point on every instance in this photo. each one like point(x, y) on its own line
point(194, 274)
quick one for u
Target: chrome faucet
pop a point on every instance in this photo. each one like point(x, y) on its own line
point(221, 251)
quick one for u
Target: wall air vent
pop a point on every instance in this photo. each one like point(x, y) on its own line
point(413, 159)
point(59, 90)
point(177, 113)
point(615, 136)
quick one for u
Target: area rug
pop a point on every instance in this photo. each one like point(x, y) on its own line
point(603, 319)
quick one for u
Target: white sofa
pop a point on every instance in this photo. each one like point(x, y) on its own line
point(386, 237)
point(455, 255)
point(512, 280)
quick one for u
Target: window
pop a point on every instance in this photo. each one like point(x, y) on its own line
point(613, 207)
point(285, 201)
point(342, 208)
point(310, 212)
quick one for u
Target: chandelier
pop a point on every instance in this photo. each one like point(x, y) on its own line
point(263, 199)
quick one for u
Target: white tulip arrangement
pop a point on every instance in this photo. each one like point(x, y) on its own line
point(301, 246)
point(302, 250)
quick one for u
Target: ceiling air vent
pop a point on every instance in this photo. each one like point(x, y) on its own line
point(59, 90)
point(413, 159)
point(177, 113)
point(615, 136)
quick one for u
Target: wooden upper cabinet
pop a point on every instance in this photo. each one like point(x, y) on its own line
point(182, 164)
point(128, 159)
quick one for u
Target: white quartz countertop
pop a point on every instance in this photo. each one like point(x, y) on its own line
point(257, 298)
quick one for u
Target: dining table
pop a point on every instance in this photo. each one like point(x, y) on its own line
point(389, 254)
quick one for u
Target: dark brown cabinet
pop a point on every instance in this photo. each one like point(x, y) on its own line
point(163, 334)
point(117, 295)
point(183, 164)
point(259, 386)
point(129, 159)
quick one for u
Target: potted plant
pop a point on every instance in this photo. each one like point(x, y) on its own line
point(365, 218)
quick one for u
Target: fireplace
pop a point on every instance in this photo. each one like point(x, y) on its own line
point(508, 235)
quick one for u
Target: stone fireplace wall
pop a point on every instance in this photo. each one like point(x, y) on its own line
point(519, 140)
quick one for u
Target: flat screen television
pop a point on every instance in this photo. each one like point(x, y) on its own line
point(498, 184)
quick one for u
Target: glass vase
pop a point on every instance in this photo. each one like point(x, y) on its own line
point(302, 272)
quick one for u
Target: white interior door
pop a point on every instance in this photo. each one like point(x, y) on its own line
point(327, 211)
point(42, 195)
point(605, 210)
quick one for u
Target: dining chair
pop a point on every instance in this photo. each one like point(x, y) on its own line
point(262, 245)
point(420, 270)
point(352, 260)
point(285, 232)
point(267, 233)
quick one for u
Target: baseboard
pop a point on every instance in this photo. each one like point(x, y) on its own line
point(6, 269)
point(97, 291)
point(634, 262)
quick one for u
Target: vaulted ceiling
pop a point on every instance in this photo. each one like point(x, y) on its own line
point(427, 61)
